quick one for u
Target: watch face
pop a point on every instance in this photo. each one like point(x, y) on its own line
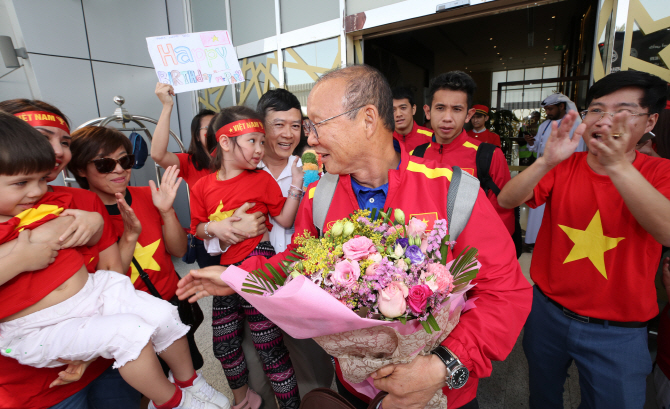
point(460, 377)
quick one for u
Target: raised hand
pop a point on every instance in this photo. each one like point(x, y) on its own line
point(165, 92)
point(297, 174)
point(610, 149)
point(560, 146)
point(84, 226)
point(164, 196)
point(203, 283)
point(131, 224)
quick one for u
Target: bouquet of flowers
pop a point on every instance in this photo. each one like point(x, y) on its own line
point(372, 291)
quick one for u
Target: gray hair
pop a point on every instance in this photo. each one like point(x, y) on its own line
point(365, 86)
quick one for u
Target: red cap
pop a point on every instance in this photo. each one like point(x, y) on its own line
point(481, 109)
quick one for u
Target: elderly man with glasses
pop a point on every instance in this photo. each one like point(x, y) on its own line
point(607, 216)
point(351, 125)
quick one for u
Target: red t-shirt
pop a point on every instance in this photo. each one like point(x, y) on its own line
point(591, 255)
point(216, 200)
point(417, 136)
point(486, 136)
point(88, 201)
point(150, 251)
point(187, 169)
point(488, 332)
point(462, 152)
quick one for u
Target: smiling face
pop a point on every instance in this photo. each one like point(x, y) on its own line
point(448, 113)
point(106, 185)
point(282, 133)
point(20, 192)
point(403, 115)
point(627, 101)
point(60, 142)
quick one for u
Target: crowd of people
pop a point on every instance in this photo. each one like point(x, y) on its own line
point(89, 292)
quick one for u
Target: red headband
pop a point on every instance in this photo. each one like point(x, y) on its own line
point(241, 127)
point(43, 118)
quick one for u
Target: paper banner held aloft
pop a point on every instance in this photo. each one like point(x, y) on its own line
point(194, 61)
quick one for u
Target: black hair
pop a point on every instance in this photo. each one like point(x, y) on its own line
point(90, 142)
point(365, 86)
point(404, 93)
point(223, 118)
point(201, 155)
point(277, 100)
point(23, 150)
point(654, 88)
point(454, 81)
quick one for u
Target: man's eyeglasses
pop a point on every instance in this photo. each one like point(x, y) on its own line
point(308, 126)
point(595, 115)
point(107, 165)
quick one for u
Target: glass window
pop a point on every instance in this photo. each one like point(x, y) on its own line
point(208, 15)
point(215, 98)
point(550, 72)
point(297, 14)
point(261, 74)
point(252, 20)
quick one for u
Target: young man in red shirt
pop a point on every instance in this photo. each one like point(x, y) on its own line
point(450, 98)
point(408, 134)
point(479, 131)
point(596, 255)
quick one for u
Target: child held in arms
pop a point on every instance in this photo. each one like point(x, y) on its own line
point(51, 308)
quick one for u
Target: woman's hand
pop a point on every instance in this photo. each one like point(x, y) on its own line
point(131, 224)
point(164, 196)
point(226, 233)
point(83, 228)
point(74, 371)
point(203, 283)
point(34, 256)
point(165, 92)
point(251, 224)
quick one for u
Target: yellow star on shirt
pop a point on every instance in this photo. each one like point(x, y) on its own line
point(145, 257)
point(591, 243)
point(215, 38)
point(219, 214)
point(37, 213)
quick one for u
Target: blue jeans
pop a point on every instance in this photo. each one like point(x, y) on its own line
point(613, 362)
point(107, 391)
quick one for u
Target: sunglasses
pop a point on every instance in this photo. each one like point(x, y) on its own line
point(107, 165)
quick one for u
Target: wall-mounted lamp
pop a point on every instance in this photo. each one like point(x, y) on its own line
point(10, 54)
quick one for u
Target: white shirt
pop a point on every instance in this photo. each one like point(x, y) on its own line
point(279, 236)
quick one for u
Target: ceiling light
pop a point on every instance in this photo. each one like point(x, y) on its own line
point(498, 53)
point(501, 58)
point(548, 39)
point(491, 38)
point(545, 53)
point(544, 58)
point(546, 46)
point(494, 46)
point(553, 16)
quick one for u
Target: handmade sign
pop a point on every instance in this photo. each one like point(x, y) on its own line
point(194, 61)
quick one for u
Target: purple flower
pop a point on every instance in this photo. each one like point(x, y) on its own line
point(403, 242)
point(414, 254)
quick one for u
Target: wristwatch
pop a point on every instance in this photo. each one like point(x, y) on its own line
point(457, 373)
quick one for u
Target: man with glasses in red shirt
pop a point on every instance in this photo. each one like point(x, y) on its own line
point(597, 251)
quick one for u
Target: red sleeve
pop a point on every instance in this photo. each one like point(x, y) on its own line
point(198, 210)
point(499, 172)
point(274, 198)
point(504, 296)
point(183, 164)
point(303, 222)
point(543, 189)
point(496, 140)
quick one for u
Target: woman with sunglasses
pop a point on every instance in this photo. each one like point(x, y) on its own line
point(94, 381)
point(196, 164)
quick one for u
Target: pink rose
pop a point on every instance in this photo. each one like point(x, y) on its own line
point(429, 280)
point(416, 227)
point(424, 245)
point(418, 297)
point(443, 278)
point(346, 273)
point(392, 300)
point(358, 248)
point(372, 269)
point(400, 263)
point(376, 257)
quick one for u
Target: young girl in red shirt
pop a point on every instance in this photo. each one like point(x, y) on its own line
point(214, 198)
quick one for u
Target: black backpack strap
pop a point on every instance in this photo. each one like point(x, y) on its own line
point(420, 150)
point(147, 281)
point(483, 161)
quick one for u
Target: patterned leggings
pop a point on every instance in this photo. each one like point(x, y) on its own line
point(228, 314)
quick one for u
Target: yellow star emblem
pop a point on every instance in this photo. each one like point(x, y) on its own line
point(145, 257)
point(37, 213)
point(591, 243)
point(215, 38)
point(219, 214)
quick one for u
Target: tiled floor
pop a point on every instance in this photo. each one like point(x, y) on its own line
point(506, 388)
